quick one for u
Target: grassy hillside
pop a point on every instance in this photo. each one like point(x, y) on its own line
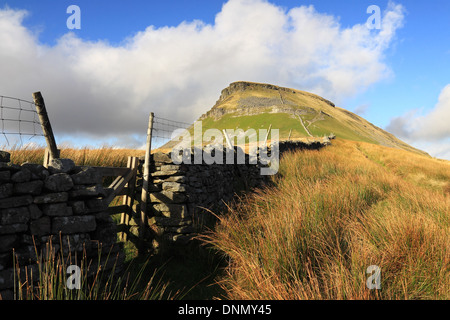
point(261, 121)
point(331, 214)
point(254, 105)
point(285, 123)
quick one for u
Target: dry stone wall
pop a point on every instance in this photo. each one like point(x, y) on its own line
point(64, 203)
point(184, 196)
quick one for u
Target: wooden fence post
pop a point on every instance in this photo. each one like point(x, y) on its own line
point(46, 126)
point(146, 177)
point(48, 158)
point(128, 199)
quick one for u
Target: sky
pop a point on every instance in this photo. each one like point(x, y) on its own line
point(130, 58)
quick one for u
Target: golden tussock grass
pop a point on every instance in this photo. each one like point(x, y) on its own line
point(105, 157)
point(331, 214)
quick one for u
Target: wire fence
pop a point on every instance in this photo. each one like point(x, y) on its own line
point(163, 130)
point(19, 119)
point(19, 123)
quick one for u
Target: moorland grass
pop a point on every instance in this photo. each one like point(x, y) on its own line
point(312, 233)
point(329, 216)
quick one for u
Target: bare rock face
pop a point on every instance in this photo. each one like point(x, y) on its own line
point(244, 85)
point(257, 103)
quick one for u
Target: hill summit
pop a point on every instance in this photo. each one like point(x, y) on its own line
point(297, 114)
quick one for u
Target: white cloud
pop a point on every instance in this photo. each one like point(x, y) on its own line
point(438, 149)
point(429, 127)
point(100, 90)
point(429, 131)
point(361, 109)
point(435, 125)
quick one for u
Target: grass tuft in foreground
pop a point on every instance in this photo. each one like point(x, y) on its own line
point(51, 279)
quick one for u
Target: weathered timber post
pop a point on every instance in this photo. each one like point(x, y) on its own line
point(146, 177)
point(128, 198)
point(290, 132)
point(46, 126)
point(48, 158)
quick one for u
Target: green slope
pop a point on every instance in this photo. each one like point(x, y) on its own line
point(249, 105)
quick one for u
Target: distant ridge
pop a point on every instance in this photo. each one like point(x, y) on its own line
point(245, 85)
point(297, 114)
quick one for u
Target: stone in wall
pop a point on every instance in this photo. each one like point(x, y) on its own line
point(87, 176)
point(78, 207)
point(73, 224)
point(31, 187)
point(167, 197)
point(174, 211)
point(18, 215)
point(57, 209)
point(23, 175)
point(5, 176)
point(16, 201)
point(38, 171)
point(60, 182)
point(61, 166)
point(5, 157)
point(83, 192)
point(173, 186)
point(41, 226)
point(161, 157)
point(51, 198)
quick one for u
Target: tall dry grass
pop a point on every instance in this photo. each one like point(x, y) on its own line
point(100, 278)
point(422, 170)
point(330, 215)
point(105, 156)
